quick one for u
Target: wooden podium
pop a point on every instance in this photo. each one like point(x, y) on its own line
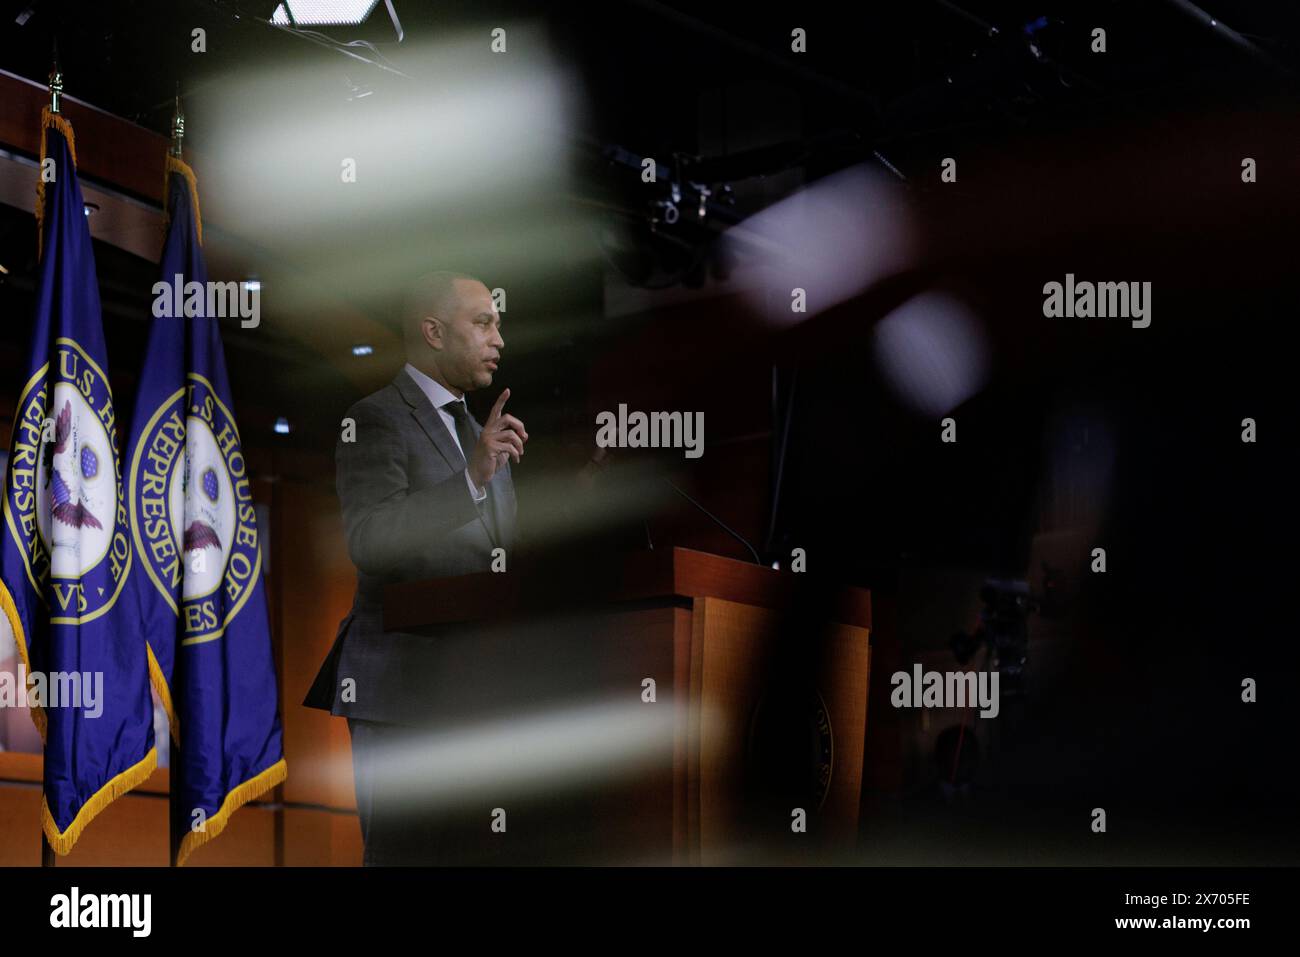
point(664, 706)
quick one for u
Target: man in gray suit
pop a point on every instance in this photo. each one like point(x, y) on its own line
point(425, 493)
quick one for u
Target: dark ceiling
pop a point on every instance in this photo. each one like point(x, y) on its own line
point(893, 72)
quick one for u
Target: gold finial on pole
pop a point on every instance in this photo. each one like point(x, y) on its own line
point(56, 83)
point(178, 125)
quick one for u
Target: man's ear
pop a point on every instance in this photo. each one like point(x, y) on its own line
point(431, 331)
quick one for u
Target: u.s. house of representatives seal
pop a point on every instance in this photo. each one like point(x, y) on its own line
point(63, 504)
point(192, 510)
point(791, 744)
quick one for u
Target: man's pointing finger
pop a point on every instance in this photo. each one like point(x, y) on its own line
point(500, 403)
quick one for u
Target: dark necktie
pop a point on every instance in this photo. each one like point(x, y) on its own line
point(465, 434)
point(464, 428)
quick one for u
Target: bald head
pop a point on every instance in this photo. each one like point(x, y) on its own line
point(451, 330)
point(433, 294)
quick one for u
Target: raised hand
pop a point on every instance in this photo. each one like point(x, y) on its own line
point(502, 438)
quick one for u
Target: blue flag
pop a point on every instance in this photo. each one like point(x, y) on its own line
point(199, 584)
point(67, 549)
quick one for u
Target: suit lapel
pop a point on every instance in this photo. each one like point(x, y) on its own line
point(431, 422)
point(423, 412)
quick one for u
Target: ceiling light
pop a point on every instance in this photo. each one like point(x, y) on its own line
point(307, 13)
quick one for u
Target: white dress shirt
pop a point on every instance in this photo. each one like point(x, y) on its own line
point(439, 396)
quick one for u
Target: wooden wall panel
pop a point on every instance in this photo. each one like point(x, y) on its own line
point(108, 148)
point(130, 832)
point(20, 816)
point(314, 592)
point(247, 841)
point(319, 838)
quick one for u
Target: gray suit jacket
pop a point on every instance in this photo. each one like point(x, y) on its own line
point(407, 514)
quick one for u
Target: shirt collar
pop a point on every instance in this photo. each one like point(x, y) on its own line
point(435, 390)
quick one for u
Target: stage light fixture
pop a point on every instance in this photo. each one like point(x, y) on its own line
point(322, 13)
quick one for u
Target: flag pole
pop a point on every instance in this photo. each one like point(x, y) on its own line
point(56, 82)
point(178, 125)
point(48, 858)
point(173, 773)
point(173, 826)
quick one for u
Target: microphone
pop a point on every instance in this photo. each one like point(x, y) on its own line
point(719, 522)
point(598, 462)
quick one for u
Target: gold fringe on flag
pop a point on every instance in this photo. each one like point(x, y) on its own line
point(174, 165)
point(164, 693)
point(62, 841)
point(250, 790)
point(60, 123)
point(20, 638)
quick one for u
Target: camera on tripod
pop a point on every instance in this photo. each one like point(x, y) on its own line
point(1004, 629)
